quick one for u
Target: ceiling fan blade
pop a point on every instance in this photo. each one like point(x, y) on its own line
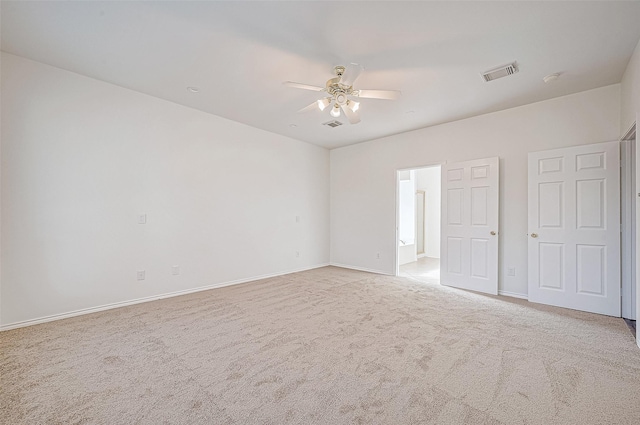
point(302, 86)
point(379, 94)
point(311, 107)
point(351, 74)
point(351, 116)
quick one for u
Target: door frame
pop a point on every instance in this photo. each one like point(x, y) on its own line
point(629, 232)
point(424, 221)
point(396, 261)
point(637, 218)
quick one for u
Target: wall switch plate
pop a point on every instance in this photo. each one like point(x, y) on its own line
point(297, 254)
point(140, 274)
point(511, 271)
point(378, 256)
point(175, 270)
point(142, 219)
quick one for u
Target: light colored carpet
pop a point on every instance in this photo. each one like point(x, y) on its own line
point(327, 346)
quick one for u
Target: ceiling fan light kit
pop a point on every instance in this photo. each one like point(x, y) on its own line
point(323, 103)
point(340, 88)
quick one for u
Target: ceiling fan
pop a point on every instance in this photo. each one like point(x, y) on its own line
point(340, 88)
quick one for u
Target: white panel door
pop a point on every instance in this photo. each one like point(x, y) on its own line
point(469, 240)
point(574, 228)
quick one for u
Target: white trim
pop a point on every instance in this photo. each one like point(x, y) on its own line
point(630, 134)
point(513, 294)
point(627, 224)
point(90, 310)
point(420, 167)
point(362, 269)
point(396, 242)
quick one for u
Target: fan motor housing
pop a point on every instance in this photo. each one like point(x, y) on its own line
point(341, 98)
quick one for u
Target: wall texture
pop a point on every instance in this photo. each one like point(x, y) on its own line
point(82, 158)
point(363, 192)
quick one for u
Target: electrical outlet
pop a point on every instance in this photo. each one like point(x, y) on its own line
point(142, 219)
point(511, 271)
point(175, 270)
point(297, 254)
point(297, 219)
point(140, 274)
point(378, 256)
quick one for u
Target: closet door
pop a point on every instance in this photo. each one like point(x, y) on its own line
point(574, 228)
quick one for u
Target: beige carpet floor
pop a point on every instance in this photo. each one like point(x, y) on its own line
point(327, 346)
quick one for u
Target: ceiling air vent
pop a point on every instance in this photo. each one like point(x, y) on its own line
point(502, 71)
point(333, 123)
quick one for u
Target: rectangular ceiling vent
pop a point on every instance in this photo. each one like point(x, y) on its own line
point(333, 123)
point(502, 71)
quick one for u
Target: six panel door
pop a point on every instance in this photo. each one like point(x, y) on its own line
point(574, 228)
point(469, 229)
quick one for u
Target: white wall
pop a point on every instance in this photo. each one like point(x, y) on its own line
point(363, 176)
point(630, 92)
point(429, 180)
point(81, 158)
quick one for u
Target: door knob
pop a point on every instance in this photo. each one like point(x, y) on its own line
point(534, 235)
point(493, 233)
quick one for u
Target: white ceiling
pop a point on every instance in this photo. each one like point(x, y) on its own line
point(239, 53)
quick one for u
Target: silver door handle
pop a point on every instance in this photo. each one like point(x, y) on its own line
point(534, 235)
point(493, 233)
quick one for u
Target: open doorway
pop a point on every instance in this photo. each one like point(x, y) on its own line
point(418, 212)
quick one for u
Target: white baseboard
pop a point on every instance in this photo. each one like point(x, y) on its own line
point(513, 294)
point(103, 307)
point(362, 269)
